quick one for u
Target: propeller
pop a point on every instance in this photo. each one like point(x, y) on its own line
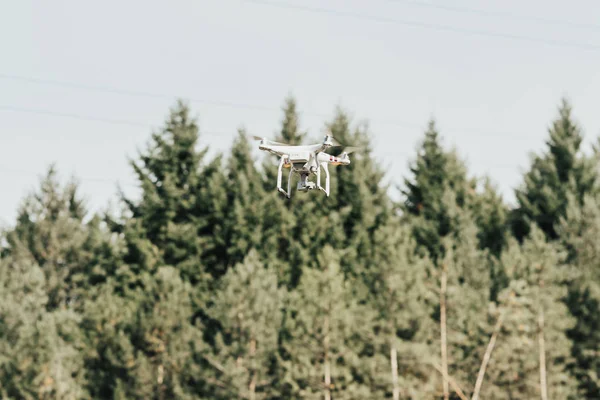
point(267, 140)
point(335, 142)
point(350, 149)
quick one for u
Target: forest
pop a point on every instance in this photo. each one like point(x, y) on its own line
point(212, 285)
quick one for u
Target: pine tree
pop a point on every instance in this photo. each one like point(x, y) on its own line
point(145, 343)
point(533, 350)
point(402, 302)
point(41, 347)
point(245, 202)
point(249, 306)
point(178, 220)
point(51, 232)
point(491, 216)
point(467, 295)
point(325, 325)
point(434, 172)
point(542, 199)
point(579, 232)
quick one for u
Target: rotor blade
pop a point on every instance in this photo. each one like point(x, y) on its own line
point(335, 142)
point(269, 141)
point(351, 149)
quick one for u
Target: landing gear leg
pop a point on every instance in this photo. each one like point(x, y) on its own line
point(279, 174)
point(326, 190)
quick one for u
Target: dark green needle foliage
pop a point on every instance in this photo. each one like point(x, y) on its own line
point(325, 326)
point(179, 219)
point(249, 305)
point(435, 171)
point(579, 232)
point(534, 311)
point(211, 285)
point(561, 170)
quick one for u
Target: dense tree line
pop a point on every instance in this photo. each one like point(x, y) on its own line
point(211, 285)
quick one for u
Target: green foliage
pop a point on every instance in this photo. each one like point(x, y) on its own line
point(249, 305)
point(51, 232)
point(325, 323)
point(468, 293)
point(434, 172)
point(402, 298)
point(579, 232)
point(179, 219)
point(543, 197)
point(211, 285)
point(40, 349)
point(537, 272)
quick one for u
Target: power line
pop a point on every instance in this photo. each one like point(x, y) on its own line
point(87, 118)
point(416, 24)
point(395, 123)
point(501, 14)
point(106, 89)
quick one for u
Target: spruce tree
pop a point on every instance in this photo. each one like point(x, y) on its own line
point(533, 350)
point(402, 327)
point(579, 232)
point(562, 169)
point(51, 231)
point(325, 326)
point(145, 344)
point(41, 346)
point(249, 305)
point(435, 171)
point(179, 219)
point(245, 202)
point(465, 268)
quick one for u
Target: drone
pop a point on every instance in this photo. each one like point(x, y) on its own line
point(305, 160)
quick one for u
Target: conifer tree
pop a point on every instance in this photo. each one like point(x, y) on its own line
point(491, 215)
point(249, 305)
point(533, 350)
point(325, 325)
point(178, 220)
point(465, 269)
point(41, 347)
point(433, 173)
point(146, 340)
point(245, 202)
point(51, 232)
point(402, 303)
point(579, 232)
point(174, 249)
point(562, 169)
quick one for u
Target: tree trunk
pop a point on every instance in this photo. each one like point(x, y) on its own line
point(443, 333)
point(326, 361)
point(252, 386)
point(487, 355)
point(394, 362)
point(543, 387)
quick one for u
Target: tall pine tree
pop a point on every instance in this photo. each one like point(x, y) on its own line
point(562, 169)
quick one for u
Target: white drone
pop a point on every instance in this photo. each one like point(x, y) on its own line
point(305, 160)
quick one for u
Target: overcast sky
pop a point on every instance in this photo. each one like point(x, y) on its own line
point(491, 73)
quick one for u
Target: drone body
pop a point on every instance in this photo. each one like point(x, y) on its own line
point(305, 160)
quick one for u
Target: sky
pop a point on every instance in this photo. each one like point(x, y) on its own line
point(84, 84)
